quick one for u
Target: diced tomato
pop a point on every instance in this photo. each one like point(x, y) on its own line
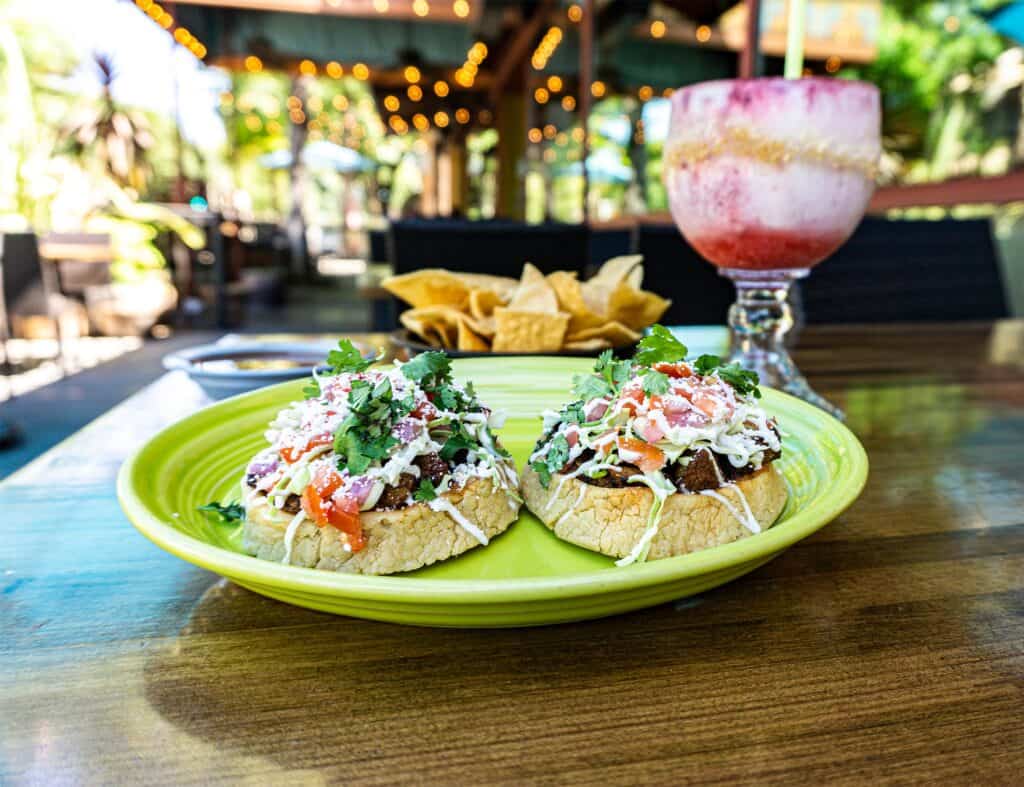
point(648, 429)
point(291, 455)
point(339, 511)
point(644, 455)
point(326, 481)
point(343, 513)
point(676, 370)
point(706, 404)
point(313, 505)
point(631, 399)
point(425, 410)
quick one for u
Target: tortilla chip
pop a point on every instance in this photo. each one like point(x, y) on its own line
point(482, 303)
point(436, 325)
point(428, 287)
point(636, 277)
point(534, 294)
point(615, 333)
point(570, 299)
point(502, 286)
point(528, 331)
point(615, 270)
point(468, 339)
point(636, 308)
point(588, 345)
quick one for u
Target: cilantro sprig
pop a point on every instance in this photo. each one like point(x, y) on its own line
point(659, 346)
point(346, 359)
point(553, 461)
point(742, 380)
point(608, 377)
point(215, 512)
point(365, 434)
point(425, 492)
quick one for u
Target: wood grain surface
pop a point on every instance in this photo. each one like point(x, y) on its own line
point(887, 648)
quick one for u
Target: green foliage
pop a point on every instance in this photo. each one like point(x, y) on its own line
point(932, 73)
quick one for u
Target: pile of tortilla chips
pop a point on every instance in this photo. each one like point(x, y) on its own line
point(538, 313)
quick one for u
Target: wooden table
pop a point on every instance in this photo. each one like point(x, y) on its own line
point(888, 647)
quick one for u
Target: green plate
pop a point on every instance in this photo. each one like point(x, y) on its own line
point(526, 576)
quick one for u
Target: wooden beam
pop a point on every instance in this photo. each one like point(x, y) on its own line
point(997, 190)
point(750, 55)
point(515, 54)
point(397, 9)
point(586, 79)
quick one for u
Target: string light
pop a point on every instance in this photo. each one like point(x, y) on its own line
point(391, 103)
point(577, 134)
point(253, 64)
point(535, 135)
point(550, 131)
point(380, 6)
point(461, 8)
point(645, 93)
point(561, 138)
point(181, 35)
point(549, 155)
point(547, 46)
point(294, 102)
point(667, 92)
point(420, 122)
point(315, 103)
point(340, 102)
point(414, 92)
point(398, 125)
point(555, 84)
point(334, 69)
point(541, 95)
point(462, 116)
point(441, 119)
point(361, 72)
point(575, 13)
point(298, 117)
point(598, 89)
point(477, 53)
point(412, 74)
point(833, 64)
point(658, 29)
point(421, 8)
point(465, 75)
point(703, 34)
point(440, 88)
point(568, 103)
point(307, 68)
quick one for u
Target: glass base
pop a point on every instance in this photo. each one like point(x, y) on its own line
point(759, 322)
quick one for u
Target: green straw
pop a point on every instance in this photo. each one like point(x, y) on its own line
point(795, 39)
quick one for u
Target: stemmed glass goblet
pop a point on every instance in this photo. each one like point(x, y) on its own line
point(766, 178)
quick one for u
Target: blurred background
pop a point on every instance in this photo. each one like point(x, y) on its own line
point(172, 171)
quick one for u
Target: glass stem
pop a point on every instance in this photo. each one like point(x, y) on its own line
point(759, 322)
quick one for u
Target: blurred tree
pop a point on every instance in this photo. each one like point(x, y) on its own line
point(111, 138)
point(934, 61)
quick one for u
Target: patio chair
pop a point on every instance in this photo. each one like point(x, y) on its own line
point(31, 305)
point(909, 271)
point(674, 270)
